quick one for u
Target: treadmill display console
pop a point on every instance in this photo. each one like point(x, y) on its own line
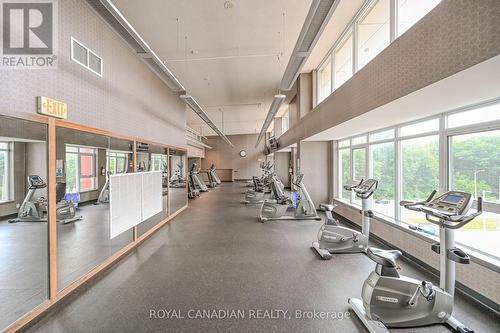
point(452, 203)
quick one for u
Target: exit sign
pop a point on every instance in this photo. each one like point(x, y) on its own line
point(51, 107)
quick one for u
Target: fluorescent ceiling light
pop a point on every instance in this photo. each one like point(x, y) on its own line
point(316, 20)
point(122, 26)
point(189, 100)
point(275, 105)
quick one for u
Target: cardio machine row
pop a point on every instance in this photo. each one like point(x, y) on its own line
point(196, 184)
point(388, 299)
point(269, 192)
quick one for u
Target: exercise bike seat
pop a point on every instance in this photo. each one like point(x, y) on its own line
point(327, 207)
point(386, 258)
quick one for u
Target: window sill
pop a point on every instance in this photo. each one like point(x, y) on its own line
point(6, 202)
point(476, 256)
point(87, 191)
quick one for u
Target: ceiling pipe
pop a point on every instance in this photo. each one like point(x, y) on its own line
point(112, 15)
point(191, 102)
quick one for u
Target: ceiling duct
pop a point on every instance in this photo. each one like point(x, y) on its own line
point(316, 21)
point(275, 105)
point(190, 101)
point(108, 11)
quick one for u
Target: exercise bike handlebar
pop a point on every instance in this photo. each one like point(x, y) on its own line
point(415, 205)
point(351, 187)
point(452, 221)
point(444, 220)
point(362, 193)
point(298, 179)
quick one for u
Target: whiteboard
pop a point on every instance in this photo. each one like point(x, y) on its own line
point(125, 202)
point(151, 194)
point(134, 198)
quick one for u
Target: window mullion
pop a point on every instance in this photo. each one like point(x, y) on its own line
point(443, 157)
point(398, 168)
point(393, 17)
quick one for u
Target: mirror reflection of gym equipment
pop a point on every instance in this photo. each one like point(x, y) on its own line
point(85, 161)
point(23, 245)
point(153, 158)
point(178, 182)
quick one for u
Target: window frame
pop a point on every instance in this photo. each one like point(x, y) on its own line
point(361, 16)
point(114, 154)
point(321, 67)
point(348, 33)
point(352, 28)
point(9, 172)
point(444, 134)
point(285, 125)
point(79, 176)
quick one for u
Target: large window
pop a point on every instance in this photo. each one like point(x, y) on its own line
point(285, 122)
point(374, 31)
point(116, 162)
point(475, 168)
point(382, 165)
point(345, 172)
point(358, 169)
point(5, 174)
point(343, 62)
point(420, 176)
point(158, 162)
point(81, 175)
point(459, 150)
point(325, 81)
point(372, 26)
point(410, 12)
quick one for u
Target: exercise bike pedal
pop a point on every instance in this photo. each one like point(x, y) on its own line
point(464, 329)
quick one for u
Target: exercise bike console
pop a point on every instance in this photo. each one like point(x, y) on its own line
point(393, 301)
point(36, 182)
point(451, 203)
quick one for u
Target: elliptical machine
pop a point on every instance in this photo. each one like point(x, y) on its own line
point(104, 194)
point(198, 182)
point(34, 211)
point(261, 187)
point(391, 300)
point(214, 175)
point(192, 191)
point(212, 181)
point(276, 209)
point(333, 238)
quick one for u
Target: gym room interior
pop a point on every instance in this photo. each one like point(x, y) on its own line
point(250, 166)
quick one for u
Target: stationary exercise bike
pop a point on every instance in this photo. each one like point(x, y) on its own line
point(333, 238)
point(391, 300)
point(34, 211)
point(276, 209)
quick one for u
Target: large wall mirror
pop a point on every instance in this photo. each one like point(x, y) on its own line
point(177, 167)
point(154, 158)
point(84, 163)
point(23, 218)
